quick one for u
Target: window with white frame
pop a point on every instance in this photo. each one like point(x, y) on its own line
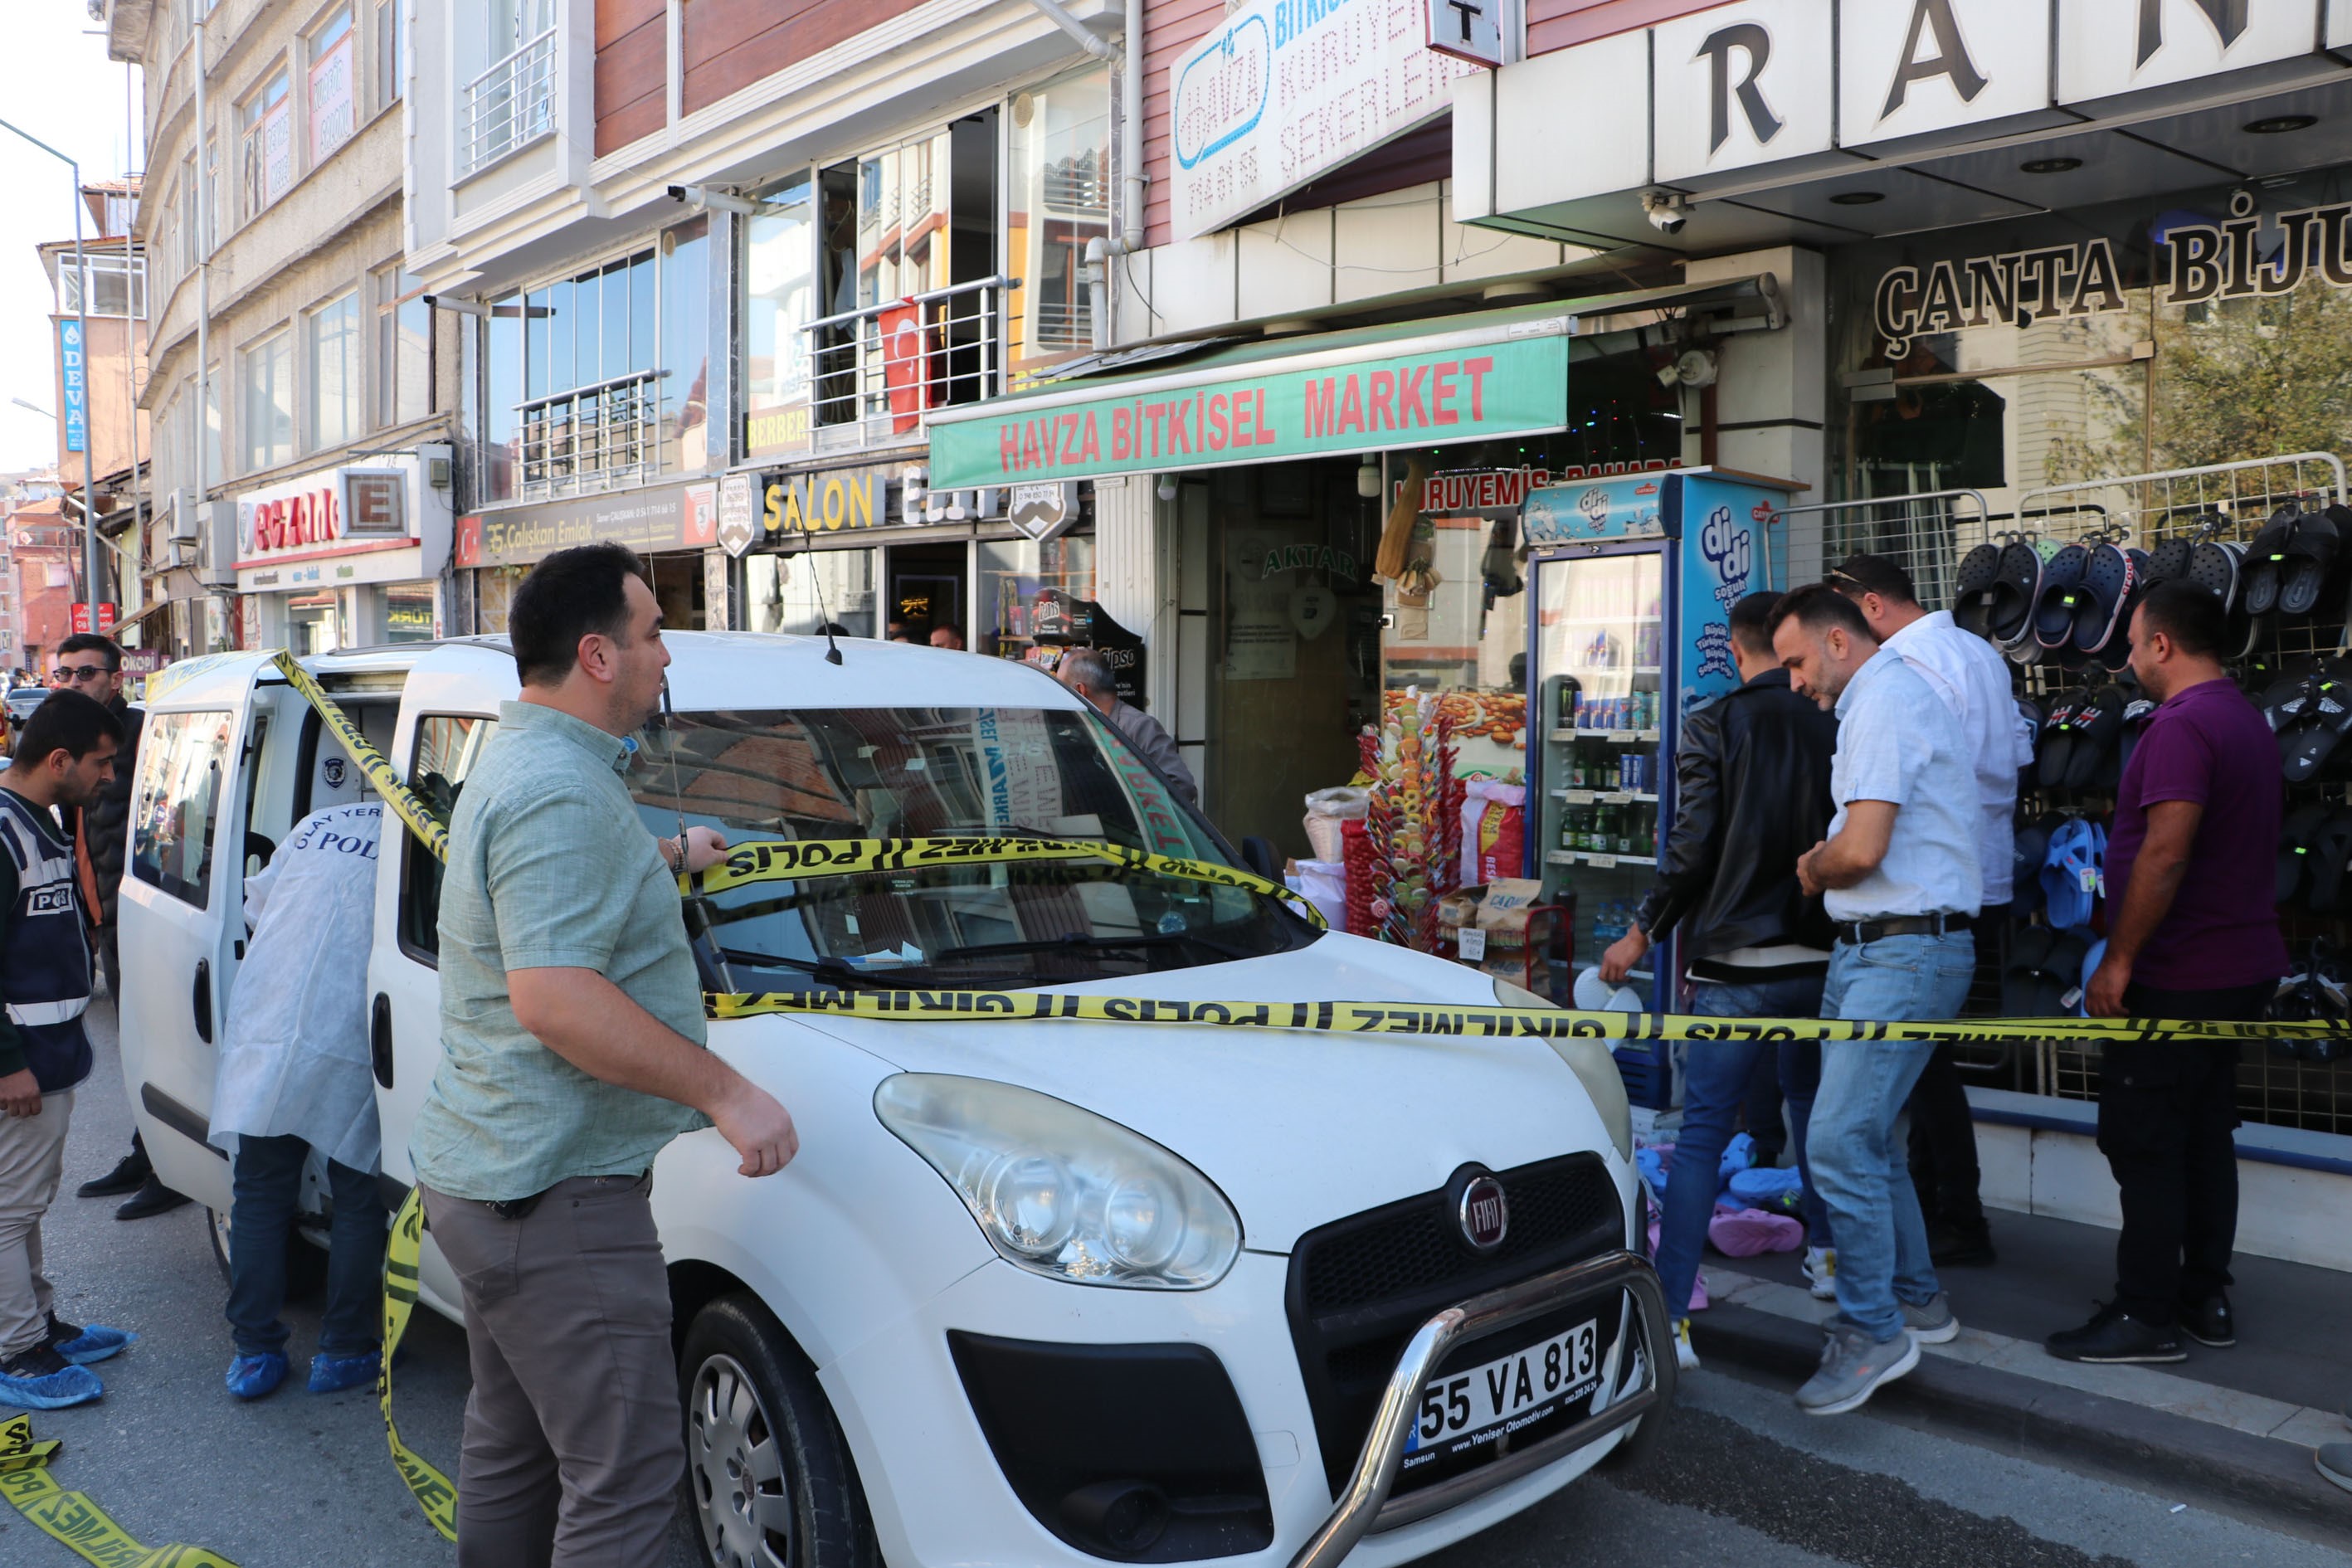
point(334, 84)
point(266, 143)
point(403, 348)
point(512, 103)
point(391, 52)
point(118, 284)
point(267, 372)
point(334, 372)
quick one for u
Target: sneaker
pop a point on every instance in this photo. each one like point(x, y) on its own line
point(2209, 1323)
point(82, 1346)
point(1853, 1367)
point(1961, 1246)
point(40, 1379)
point(2335, 1462)
point(2113, 1335)
point(333, 1373)
point(1931, 1322)
point(256, 1376)
point(1685, 1357)
point(1820, 1272)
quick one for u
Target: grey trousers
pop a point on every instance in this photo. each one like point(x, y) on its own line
point(32, 1158)
point(574, 1438)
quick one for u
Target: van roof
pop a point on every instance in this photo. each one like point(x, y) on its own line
point(707, 670)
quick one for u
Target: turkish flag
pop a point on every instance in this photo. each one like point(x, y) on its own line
point(903, 368)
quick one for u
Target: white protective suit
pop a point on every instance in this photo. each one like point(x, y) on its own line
point(294, 1050)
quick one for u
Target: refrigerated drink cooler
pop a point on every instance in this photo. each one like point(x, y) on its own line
point(1633, 578)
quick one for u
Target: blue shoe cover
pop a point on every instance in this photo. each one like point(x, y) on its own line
point(93, 1344)
point(333, 1373)
point(253, 1376)
point(52, 1391)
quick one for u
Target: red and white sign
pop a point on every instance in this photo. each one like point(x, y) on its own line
point(106, 618)
point(338, 511)
point(1505, 490)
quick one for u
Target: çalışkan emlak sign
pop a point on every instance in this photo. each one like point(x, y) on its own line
point(1479, 386)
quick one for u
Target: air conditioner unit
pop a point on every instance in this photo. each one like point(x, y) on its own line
point(178, 553)
point(215, 560)
point(184, 520)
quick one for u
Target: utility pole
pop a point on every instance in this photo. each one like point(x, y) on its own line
point(82, 326)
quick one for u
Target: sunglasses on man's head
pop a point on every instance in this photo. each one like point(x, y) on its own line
point(75, 674)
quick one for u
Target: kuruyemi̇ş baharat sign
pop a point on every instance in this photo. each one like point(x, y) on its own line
point(1424, 391)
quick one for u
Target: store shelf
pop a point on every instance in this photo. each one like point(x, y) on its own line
point(1606, 621)
point(1600, 862)
point(1614, 669)
point(1621, 737)
point(1604, 797)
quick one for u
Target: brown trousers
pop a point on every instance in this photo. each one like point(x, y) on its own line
point(574, 1438)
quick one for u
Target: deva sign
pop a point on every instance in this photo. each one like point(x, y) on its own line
point(1287, 90)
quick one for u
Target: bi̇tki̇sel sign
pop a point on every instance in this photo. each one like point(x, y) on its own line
point(1364, 402)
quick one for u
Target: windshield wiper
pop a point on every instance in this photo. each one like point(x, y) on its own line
point(1082, 941)
point(833, 969)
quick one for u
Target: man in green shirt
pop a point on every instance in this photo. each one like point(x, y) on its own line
point(572, 1040)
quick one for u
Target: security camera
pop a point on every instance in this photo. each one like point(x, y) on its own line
point(1667, 211)
point(714, 200)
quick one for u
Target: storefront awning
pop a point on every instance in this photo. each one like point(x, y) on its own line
point(1474, 377)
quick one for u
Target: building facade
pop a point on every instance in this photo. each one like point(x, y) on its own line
point(301, 389)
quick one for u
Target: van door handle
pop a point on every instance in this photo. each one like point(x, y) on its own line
point(379, 1040)
point(203, 1000)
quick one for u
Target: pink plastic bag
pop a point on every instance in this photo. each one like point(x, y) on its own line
point(1744, 1233)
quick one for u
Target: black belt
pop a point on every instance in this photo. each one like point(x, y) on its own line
point(1855, 933)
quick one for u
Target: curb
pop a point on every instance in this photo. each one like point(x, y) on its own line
point(2231, 1471)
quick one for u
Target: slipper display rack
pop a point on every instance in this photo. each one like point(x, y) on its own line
point(2053, 583)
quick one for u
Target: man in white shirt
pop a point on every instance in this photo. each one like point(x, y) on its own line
point(1972, 677)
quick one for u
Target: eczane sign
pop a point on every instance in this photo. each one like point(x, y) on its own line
point(1287, 90)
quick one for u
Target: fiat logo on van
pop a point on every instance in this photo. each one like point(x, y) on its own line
point(1485, 1215)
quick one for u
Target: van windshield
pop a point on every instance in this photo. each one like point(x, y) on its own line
point(949, 773)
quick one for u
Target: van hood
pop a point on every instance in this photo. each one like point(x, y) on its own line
point(1387, 1116)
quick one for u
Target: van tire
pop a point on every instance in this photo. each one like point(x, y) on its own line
point(753, 1399)
point(306, 1262)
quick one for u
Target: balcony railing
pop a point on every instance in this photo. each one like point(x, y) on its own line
point(600, 437)
point(508, 105)
point(878, 369)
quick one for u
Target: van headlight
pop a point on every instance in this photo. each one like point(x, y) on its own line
point(1590, 1060)
point(1062, 1192)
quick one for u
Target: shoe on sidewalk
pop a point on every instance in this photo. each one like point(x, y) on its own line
point(82, 1346)
point(1820, 1272)
point(1685, 1357)
point(1955, 1245)
point(1932, 1322)
point(256, 1376)
point(40, 1379)
point(1853, 1367)
point(2113, 1335)
point(151, 1198)
point(130, 1174)
point(2209, 1323)
point(2335, 1462)
point(333, 1373)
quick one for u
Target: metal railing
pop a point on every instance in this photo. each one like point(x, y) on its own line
point(508, 105)
point(879, 368)
point(600, 437)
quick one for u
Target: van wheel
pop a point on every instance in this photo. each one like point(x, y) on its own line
point(768, 1474)
point(306, 1263)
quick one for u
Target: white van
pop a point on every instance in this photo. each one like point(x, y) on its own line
point(1043, 1293)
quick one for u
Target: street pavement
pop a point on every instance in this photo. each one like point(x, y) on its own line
point(295, 1480)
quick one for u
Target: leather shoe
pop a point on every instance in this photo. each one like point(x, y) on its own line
point(130, 1174)
point(2209, 1323)
point(2113, 1335)
point(151, 1198)
point(1951, 1245)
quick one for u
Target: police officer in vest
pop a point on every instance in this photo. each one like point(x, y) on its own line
point(65, 757)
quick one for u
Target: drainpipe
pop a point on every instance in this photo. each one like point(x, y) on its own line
point(1130, 64)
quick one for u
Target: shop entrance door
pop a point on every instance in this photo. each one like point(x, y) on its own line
point(927, 590)
point(1292, 664)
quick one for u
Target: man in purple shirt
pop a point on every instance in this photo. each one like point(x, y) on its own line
point(2189, 908)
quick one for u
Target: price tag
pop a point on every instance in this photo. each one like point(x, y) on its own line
point(1627, 737)
point(1622, 797)
point(1649, 735)
point(2072, 997)
point(1474, 944)
point(1577, 796)
point(2089, 878)
point(1606, 862)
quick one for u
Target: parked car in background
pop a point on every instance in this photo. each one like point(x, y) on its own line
point(20, 703)
point(1046, 1293)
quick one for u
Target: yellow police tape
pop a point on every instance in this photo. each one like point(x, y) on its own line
point(805, 859)
point(70, 1518)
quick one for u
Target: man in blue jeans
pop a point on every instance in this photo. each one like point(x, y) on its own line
point(1752, 781)
point(1899, 877)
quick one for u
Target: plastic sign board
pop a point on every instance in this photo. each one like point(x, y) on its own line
point(1380, 397)
point(1469, 30)
point(107, 616)
point(74, 365)
point(1285, 91)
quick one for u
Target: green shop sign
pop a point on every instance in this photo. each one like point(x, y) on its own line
point(1429, 391)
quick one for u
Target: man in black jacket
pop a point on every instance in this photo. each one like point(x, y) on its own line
point(92, 664)
point(1752, 781)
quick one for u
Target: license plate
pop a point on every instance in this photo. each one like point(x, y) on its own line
point(1464, 1408)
